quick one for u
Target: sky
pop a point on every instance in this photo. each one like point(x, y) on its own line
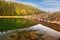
point(46, 5)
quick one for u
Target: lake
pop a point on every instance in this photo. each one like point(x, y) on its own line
point(39, 27)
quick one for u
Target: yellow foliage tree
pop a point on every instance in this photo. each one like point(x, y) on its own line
point(23, 11)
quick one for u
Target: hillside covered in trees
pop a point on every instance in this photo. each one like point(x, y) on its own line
point(16, 9)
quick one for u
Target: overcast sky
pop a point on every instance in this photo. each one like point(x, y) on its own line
point(46, 5)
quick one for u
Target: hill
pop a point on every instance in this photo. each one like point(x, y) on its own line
point(53, 17)
point(16, 9)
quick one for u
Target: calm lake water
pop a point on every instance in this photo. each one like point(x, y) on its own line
point(46, 30)
point(39, 27)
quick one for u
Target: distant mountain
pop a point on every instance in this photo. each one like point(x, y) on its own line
point(51, 16)
point(54, 17)
point(16, 9)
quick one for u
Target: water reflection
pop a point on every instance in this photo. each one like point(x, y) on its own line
point(47, 30)
point(38, 27)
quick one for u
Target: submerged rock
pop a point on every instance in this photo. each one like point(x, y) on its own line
point(28, 35)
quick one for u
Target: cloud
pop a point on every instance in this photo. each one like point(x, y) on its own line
point(50, 5)
point(51, 2)
point(27, 3)
point(10, 0)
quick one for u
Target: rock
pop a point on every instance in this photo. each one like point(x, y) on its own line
point(29, 35)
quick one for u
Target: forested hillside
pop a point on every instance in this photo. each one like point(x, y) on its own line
point(16, 9)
